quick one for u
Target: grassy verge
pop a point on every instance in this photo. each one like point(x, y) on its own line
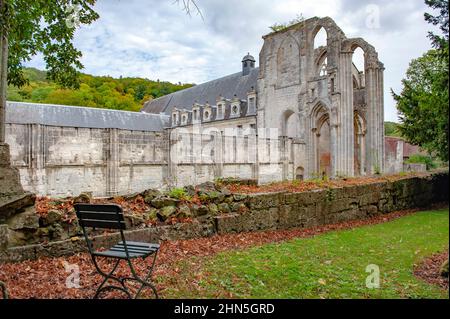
point(331, 265)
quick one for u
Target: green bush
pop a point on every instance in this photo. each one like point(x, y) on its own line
point(421, 159)
point(178, 193)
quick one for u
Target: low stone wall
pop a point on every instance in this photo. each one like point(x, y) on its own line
point(272, 211)
point(289, 210)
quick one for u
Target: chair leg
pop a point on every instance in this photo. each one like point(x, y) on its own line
point(108, 276)
point(144, 282)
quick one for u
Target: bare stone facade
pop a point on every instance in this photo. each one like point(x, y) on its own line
point(337, 109)
point(306, 111)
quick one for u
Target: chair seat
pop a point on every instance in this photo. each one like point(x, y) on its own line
point(135, 250)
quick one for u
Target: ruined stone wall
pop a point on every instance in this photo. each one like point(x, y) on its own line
point(66, 161)
point(304, 210)
point(62, 161)
point(198, 158)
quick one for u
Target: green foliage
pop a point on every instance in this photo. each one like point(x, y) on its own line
point(391, 129)
point(41, 26)
point(439, 42)
point(282, 26)
point(94, 91)
point(421, 159)
point(329, 265)
point(423, 102)
point(178, 193)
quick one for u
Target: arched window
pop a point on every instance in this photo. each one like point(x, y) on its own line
point(323, 67)
point(358, 59)
point(320, 39)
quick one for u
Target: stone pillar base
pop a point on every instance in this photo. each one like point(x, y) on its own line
point(13, 199)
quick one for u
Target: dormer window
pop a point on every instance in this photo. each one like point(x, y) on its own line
point(174, 119)
point(220, 112)
point(184, 119)
point(206, 115)
point(235, 110)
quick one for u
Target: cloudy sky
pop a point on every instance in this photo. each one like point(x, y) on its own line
point(155, 39)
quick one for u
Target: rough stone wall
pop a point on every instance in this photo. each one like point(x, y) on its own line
point(199, 157)
point(63, 161)
point(267, 212)
point(288, 210)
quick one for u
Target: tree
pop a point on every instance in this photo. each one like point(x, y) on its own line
point(423, 105)
point(47, 27)
point(40, 26)
point(423, 102)
point(439, 42)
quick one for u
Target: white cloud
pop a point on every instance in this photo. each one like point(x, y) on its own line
point(157, 40)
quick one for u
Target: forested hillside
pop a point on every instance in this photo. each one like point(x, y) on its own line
point(95, 91)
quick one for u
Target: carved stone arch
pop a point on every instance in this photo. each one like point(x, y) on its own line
point(321, 138)
point(329, 26)
point(320, 106)
point(319, 53)
point(285, 117)
point(370, 54)
point(299, 173)
point(360, 129)
point(319, 62)
point(360, 122)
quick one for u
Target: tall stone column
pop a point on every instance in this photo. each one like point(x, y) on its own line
point(375, 120)
point(345, 137)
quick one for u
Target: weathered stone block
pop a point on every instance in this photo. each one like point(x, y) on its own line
point(166, 212)
point(230, 223)
point(27, 220)
point(369, 198)
point(292, 216)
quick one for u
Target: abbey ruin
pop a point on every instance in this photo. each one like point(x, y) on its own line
point(306, 111)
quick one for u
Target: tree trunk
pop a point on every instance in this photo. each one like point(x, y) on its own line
point(3, 74)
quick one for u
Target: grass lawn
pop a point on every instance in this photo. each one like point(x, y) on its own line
point(330, 265)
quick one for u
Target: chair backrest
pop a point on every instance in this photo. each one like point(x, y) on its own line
point(105, 216)
point(100, 216)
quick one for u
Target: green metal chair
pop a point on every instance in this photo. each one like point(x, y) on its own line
point(111, 217)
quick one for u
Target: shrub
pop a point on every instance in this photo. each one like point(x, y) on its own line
point(178, 193)
point(421, 159)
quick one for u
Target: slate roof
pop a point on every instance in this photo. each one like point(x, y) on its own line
point(227, 86)
point(77, 116)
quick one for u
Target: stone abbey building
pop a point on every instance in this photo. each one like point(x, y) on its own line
point(306, 111)
point(329, 114)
